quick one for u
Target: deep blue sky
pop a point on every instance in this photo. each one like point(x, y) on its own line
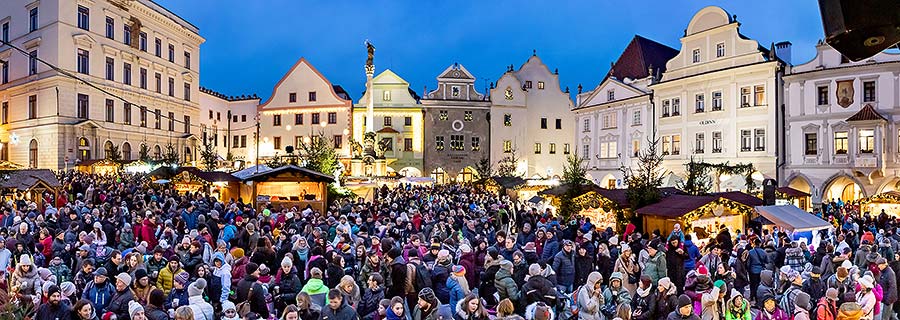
point(251, 44)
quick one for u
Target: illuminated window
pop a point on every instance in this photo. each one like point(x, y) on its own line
point(866, 141)
point(537, 148)
point(745, 97)
point(456, 142)
point(443, 115)
point(476, 143)
point(552, 148)
point(759, 95)
point(635, 147)
point(507, 120)
point(507, 146)
point(386, 95)
point(540, 85)
point(467, 116)
point(676, 144)
point(439, 143)
point(609, 150)
point(566, 149)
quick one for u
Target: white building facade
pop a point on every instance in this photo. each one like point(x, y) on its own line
point(229, 123)
point(843, 136)
point(531, 118)
point(718, 101)
point(132, 50)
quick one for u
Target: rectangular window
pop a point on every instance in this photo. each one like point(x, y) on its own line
point(276, 120)
point(543, 123)
point(609, 150)
point(866, 141)
point(812, 143)
point(5, 32)
point(610, 95)
point(243, 118)
point(143, 78)
point(666, 145)
point(439, 143)
point(587, 125)
point(636, 118)
point(332, 117)
point(717, 142)
point(822, 95)
point(4, 113)
point(110, 28)
point(236, 141)
point(171, 53)
point(187, 60)
point(110, 69)
point(110, 111)
point(187, 124)
point(840, 142)
point(158, 82)
point(315, 118)
point(84, 18)
point(407, 144)
point(586, 150)
point(540, 85)
point(312, 96)
point(507, 146)
point(276, 142)
point(566, 149)
point(717, 101)
point(696, 55)
point(558, 124)
point(386, 95)
point(243, 141)
point(528, 84)
point(126, 75)
point(82, 106)
point(126, 34)
point(635, 147)
point(759, 95)
point(210, 114)
point(676, 107)
point(537, 148)
point(32, 19)
point(4, 73)
point(157, 115)
point(699, 142)
point(407, 121)
point(666, 105)
point(292, 97)
point(142, 41)
point(443, 116)
point(387, 121)
point(476, 143)
point(32, 62)
point(126, 111)
point(171, 121)
point(157, 47)
point(143, 111)
point(552, 148)
point(187, 91)
point(759, 137)
point(507, 120)
point(720, 50)
point(339, 141)
point(746, 140)
point(298, 118)
point(745, 97)
point(171, 87)
point(676, 144)
point(609, 121)
point(84, 58)
point(869, 91)
point(467, 116)
point(32, 107)
point(699, 105)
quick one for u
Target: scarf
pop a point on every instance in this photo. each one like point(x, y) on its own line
point(643, 293)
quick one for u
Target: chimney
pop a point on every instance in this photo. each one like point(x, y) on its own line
point(783, 51)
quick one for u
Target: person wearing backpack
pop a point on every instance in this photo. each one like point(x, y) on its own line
point(418, 277)
point(250, 292)
point(588, 298)
point(826, 308)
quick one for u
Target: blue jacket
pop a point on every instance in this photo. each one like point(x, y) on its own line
point(456, 293)
point(190, 219)
point(758, 259)
point(693, 254)
point(227, 233)
point(181, 295)
point(98, 295)
point(564, 266)
point(551, 247)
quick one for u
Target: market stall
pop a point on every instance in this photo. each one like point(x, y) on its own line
point(601, 205)
point(289, 186)
point(887, 201)
point(701, 216)
point(99, 166)
point(506, 185)
point(220, 185)
point(794, 196)
point(138, 166)
point(28, 184)
point(797, 222)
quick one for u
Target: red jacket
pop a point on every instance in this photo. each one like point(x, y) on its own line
point(148, 233)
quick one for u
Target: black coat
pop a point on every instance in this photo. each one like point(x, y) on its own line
point(119, 303)
point(583, 267)
point(538, 288)
point(48, 312)
point(675, 266)
point(154, 313)
point(368, 306)
point(398, 279)
point(439, 277)
point(344, 312)
point(257, 299)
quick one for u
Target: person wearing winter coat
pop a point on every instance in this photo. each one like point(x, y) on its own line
point(801, 306)
point(826, 308)
point(564, 266)
point(458, 284)
point(814, 286)
point(429, 308)
point(789, 296)
point(537, 287)
point(713, 301)
point(655, 267)
point(615, 292)
point(368, 305)
point(25, 277)
point(201, 308)
point(470, 308)
point(286, 283)
point(337, 308)
point(666, 297)
point(316, 289)
point(693, 253)
point(99, 291)
point(684, 310)
point(643, 304)
point(766, 287)
point(154, 308)
point(888, 282)
point(164, 281)
point(675, 257)
point(589, 298)
point(439, 275)
point(866, 298)
point(551, 247)
point(222, 269)
point(584, 264)
point(249, 289)
point(118, 304)
point(626, 265)
point(737, 307)
point(53, 309)
point(770, 310)
point(506, 286)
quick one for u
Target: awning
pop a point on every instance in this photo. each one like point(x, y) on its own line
point(791, 192)
point(536, 199)
point(792, 218)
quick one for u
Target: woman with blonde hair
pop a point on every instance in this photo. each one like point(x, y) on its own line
point(623, 311)
point(629, 268)
point(507, 311)
point(457, 285)
point(184, 313)
point(307, 310)
point(350, 290)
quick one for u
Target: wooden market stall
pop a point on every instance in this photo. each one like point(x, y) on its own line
point(505, 185)
point(221, 185)
point(28, 184)
point(605, 207)
point(99, 166)
point(889, 202)
point(700, 215)
point(290, 186)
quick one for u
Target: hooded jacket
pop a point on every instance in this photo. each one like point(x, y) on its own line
point(318, 292)
point(618, 296)
point(506, 286)
point(99, 295)
point(766, 287)
point(741, 312)
point(588, 306)
point(712, 305)
point(643, 304)
point(655, 268)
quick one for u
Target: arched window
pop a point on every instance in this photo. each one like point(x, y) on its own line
point(157, 152)
point(188, 156)
point(126, 151)
point(84, 149)
point(33, 154)
point(107, 149)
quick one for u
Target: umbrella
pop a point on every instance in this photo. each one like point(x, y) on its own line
point(161, 181)
point(536, 199)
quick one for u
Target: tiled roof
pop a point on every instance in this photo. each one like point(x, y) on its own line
point(22, 180)
point(867, 113)
point(388, 130)
point(639, 55)
point(675, 206)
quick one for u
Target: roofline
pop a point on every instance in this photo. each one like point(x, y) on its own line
point(610, 102)
point(291, 71)
point(791, 75)
point(717, 70)
point(166, 12)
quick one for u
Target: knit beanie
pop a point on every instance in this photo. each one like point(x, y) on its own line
point(67, 288)
point(196, 288)
point(251, 267)
point(182, 278)
point(458, 270)
point(134, 308)
point(427, 294)
point(237, 253)
point(684, 300)
point(286, 262)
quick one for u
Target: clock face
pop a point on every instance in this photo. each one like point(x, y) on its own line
point(509, 94)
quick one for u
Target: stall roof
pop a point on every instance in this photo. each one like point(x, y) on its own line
point(793, 218)
point(315, 175)
point(617, 196)
point(243, 174)
point(740, 197)
point(212, 176)
point(675, 206)
point(791, 192)
point(28, 178)
point(508, 182)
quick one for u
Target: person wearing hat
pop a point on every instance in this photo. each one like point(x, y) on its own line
point(712, 302)
point(458, 286)
point(865, 297)
point(178, 296)
point(429, 308)
point(666, 297)
point(684, 309)
point(655, 267)
point(770, 310)
point(888, 282)
point(801, 306)
point(142, 286)
point(26, 278)
point(826, 308)
point(440, 272)
point(564, 266)
point(201, 308)
point(814, 286)
point(119, 302)
point(789, 294)
point(53, 308)
point(286, 284)
point(99, 291)
point(628, 266)
point(842, 280)
point(165, 281)
point(136, 311)
point(503, 281)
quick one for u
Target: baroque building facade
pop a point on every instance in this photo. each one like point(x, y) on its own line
point(229, 124)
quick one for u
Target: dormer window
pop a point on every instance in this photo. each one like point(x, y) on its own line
point(696, 55)
point(292, 97)
point(610, 95)
point(528, 84)
point(540, 85)
point(386, 95)
point(455, 91)
point(720, 50)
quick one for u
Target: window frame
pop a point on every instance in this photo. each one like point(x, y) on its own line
point(84, 18)
point(810, 146)
point(841, 139)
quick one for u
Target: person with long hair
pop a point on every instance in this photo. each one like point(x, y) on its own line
point(290, 313)
point(471, 308)
point(306, 309)
point(184, 313)
point(83, 310)
point(397, 311)
point(350, 291)
point(458, 285)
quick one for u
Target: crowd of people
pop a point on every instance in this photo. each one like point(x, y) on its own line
point(120, 247)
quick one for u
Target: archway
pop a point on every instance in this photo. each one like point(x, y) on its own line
point(126, 151)
point(107, 149)
point(800, 183)
point(467, 174)
point(84, 149)
point(188, 155)
point(33, 153)
point(410, 172)
point(844, 188)
point(439, 176)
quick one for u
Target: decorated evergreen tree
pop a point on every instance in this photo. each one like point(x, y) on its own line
point(644, 181)
point(574, 175)
point(113, 153)
point(208, 155)
point(698, 181)
point(508, 166)
point(484, 167)
point(144, 153)
point(171, 154)
point(319, 154)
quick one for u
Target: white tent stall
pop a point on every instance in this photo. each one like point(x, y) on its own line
point(795, 221)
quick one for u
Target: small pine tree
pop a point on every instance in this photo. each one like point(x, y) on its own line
point(144, 153)
point(644, 181)
point(484, 167)
point(508, 166)
point(208, 156)
point(698, 181)
point(319, 154)
point(575, 176)
point(113, 153)
point(171, 155)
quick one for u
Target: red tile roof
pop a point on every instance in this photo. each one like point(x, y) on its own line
point(675, 206)
point(867, 113)
point(388, 130)
point(638, 56)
